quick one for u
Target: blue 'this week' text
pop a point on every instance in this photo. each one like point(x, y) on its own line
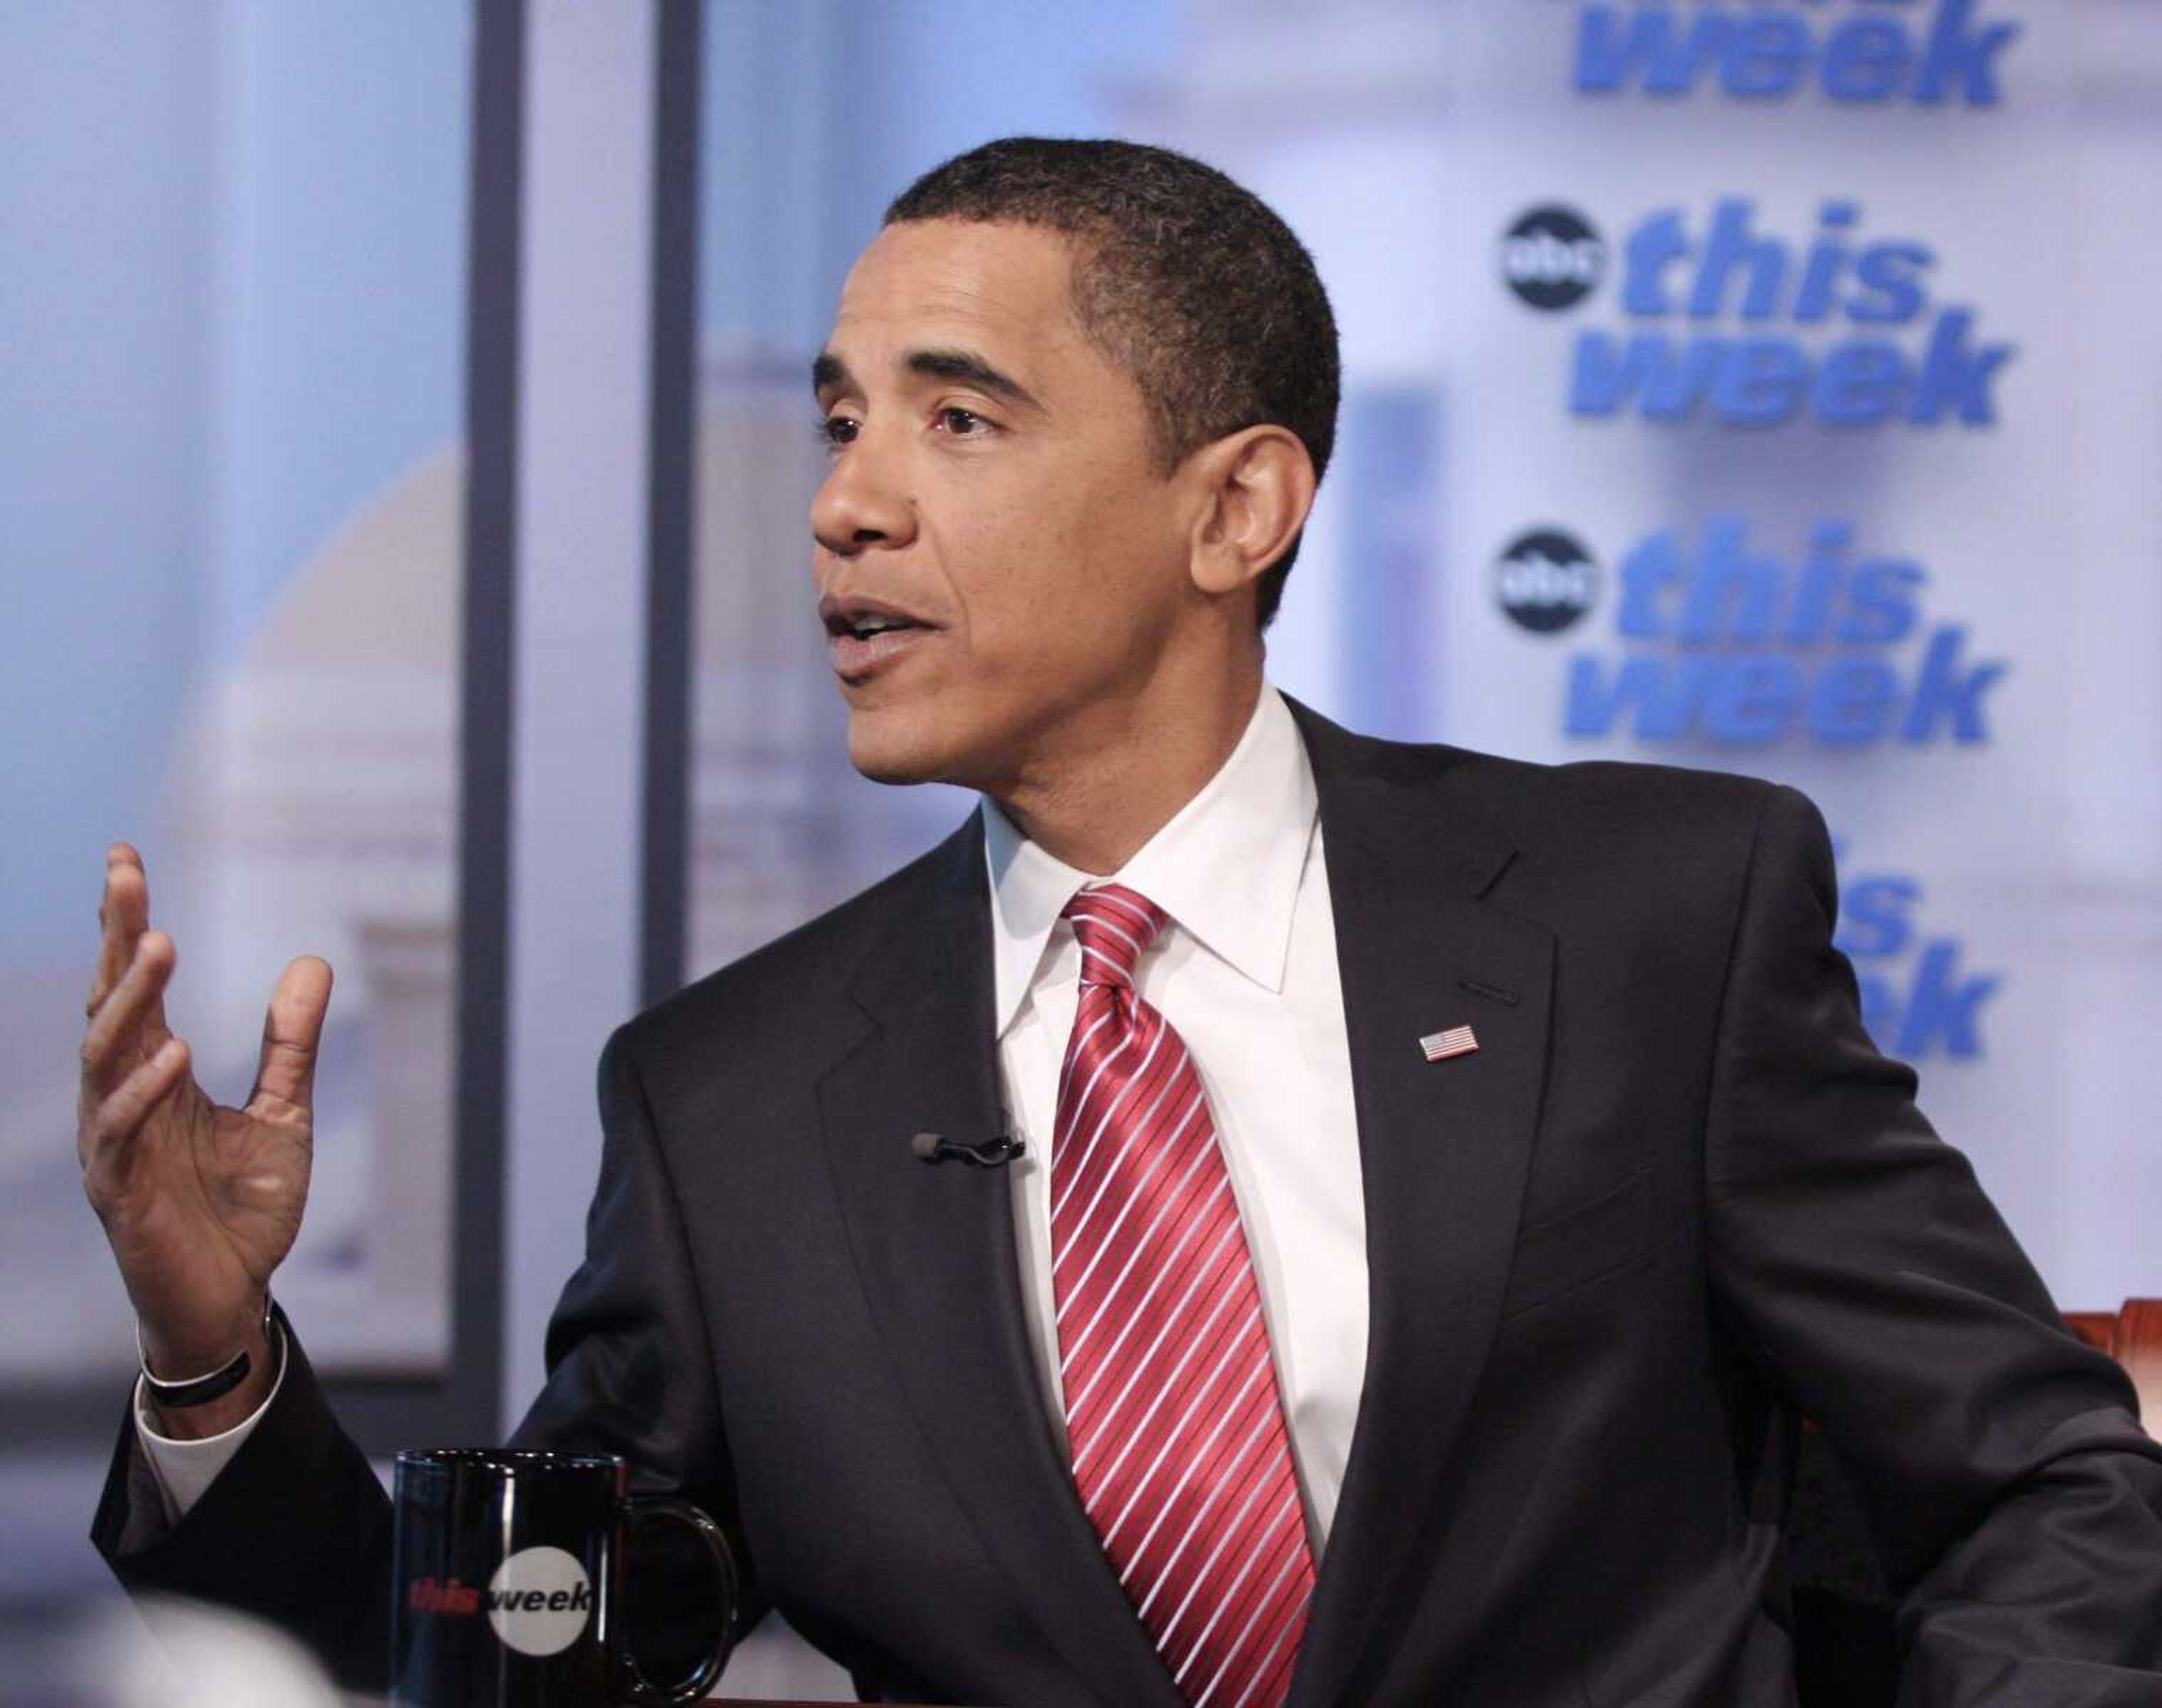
point(1918, 999)
point(1857, 290)
point(1871, 55)
point(1732, 646)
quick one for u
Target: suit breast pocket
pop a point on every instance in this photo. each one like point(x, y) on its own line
point(1583, 1244)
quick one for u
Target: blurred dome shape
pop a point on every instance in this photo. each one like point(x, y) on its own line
point(316, 807)
point(386, 588)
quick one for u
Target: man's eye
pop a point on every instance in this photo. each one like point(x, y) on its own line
point(962, 423)
point(837, 431)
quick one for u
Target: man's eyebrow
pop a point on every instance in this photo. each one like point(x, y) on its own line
point(969, 368)
point(829, 373)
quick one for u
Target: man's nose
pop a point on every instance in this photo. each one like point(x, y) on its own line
point(862, 503)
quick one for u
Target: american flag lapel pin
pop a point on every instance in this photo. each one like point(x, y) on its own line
point(1457, 1040)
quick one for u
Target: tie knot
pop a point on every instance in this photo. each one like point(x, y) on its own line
point(1113, 925)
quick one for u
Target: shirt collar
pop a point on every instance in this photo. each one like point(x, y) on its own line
point(1227, 867)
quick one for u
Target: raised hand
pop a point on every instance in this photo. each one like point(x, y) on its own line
point(199, 1202)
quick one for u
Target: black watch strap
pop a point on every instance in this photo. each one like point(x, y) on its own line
point(201, 1390)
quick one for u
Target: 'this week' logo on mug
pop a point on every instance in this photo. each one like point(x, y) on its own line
point(1757, 329)
point(539, 1600)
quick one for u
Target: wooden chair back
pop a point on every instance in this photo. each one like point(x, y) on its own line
point(2132, 1336)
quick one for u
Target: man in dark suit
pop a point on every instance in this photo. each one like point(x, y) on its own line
point(1446, 1181)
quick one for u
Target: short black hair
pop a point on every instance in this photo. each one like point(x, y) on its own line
point(1186, 280)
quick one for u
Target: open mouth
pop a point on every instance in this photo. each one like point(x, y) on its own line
point(862, 634)
point(865, 628)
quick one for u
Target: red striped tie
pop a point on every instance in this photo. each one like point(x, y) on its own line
point(1179, 1447)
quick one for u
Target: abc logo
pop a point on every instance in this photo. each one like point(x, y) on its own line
point(1552, 258)
point(539, 1600)
point(1545, 581)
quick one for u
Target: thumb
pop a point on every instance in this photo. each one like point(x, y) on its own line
point(292, 1030)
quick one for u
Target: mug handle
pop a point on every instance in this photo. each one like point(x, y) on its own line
point(632, 1683)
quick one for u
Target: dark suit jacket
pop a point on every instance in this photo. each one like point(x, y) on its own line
point(1675, 1200)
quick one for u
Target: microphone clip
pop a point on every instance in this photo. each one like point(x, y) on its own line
point(992, 1153)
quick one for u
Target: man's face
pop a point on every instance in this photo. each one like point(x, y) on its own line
point(995, 486)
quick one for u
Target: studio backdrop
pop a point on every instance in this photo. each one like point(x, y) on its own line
point(1773, 387)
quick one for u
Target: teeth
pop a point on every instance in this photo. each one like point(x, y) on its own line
point(878, 625)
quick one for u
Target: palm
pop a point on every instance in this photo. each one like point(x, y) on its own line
point(232, 1183)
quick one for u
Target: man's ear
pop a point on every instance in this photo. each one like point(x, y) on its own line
point(1253, 490)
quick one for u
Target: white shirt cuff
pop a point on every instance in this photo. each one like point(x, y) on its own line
point(184, 1469)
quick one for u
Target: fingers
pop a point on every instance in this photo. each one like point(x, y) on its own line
point(130, 1024)
point(291, 1031)
point(122, 1113)
point(123, 914)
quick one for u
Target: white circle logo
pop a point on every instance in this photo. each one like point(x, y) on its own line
point(539, 1600)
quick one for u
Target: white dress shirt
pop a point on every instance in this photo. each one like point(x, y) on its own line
point(1245, 971)
point(184, 1469)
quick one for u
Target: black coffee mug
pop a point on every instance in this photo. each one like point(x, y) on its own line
point(509, 1582)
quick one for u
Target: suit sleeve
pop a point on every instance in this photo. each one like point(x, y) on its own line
point(2014, 1498)
point(631, 1369)
point(296, 1530)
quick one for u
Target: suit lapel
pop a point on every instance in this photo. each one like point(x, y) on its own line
point(1444, 1148)
point(936, 1250)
